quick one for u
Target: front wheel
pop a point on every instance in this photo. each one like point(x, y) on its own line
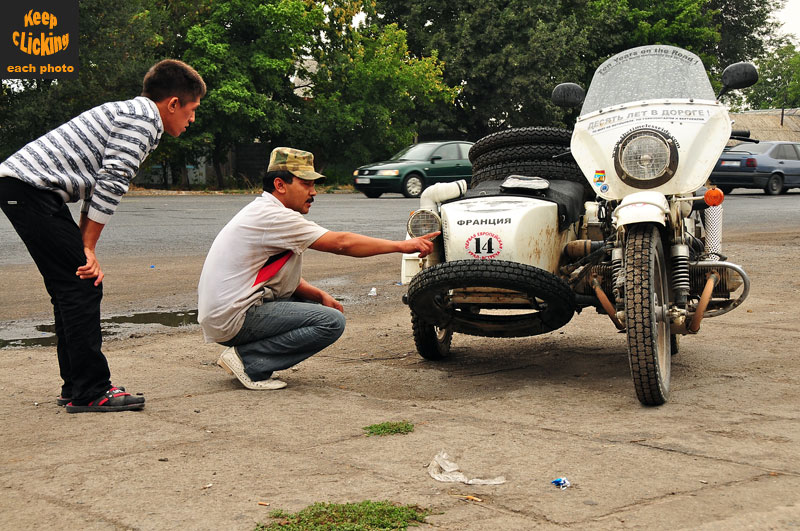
point(413, 185)
point(646, 314)
point(432, 342)
point(774, 185)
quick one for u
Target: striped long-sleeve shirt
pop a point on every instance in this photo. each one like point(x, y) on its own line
point(92, 157)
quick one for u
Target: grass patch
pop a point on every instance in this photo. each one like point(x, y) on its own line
point(389, 428)
point(363, 516)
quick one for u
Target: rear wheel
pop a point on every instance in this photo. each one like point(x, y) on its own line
point(725, 189)
point(774, 185)
point(433, 343)
point(646, 314)
point(413, 185)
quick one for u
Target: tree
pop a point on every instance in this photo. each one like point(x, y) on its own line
point(745, 28)
point(504, 55)
point(247, 51)
point(779, 79)
point(364, 92)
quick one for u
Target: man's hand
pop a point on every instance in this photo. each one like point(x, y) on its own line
point(92, 267)
point(330, 302)
point(423, 244)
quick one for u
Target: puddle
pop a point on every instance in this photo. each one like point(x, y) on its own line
point(25, 334)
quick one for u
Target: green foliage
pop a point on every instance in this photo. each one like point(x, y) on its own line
point(364, 91)
point(389, 428)
point(779, 79)
point(363, 516)
point(247, 51)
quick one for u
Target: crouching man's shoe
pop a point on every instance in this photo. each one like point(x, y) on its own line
point(231, 362)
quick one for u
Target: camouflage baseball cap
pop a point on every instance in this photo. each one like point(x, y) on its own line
point(298, 163)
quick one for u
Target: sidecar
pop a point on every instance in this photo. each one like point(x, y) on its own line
point(495, 271)
point(607, 216)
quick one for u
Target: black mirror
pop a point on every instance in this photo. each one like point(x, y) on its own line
point(568, 95)
point(435, 158)
point(738, 76)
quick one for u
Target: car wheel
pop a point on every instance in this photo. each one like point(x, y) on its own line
point(725, 189)
point(774, 185)
point(413, 185)
point(373, 195)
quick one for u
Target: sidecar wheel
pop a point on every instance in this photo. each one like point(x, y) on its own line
point(774, 185)
point(433, 343)
point(429, 296)
point(647, 323)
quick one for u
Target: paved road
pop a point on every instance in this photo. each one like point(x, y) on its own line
point(186, 225)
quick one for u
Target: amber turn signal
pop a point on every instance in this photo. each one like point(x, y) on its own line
point(714, 197)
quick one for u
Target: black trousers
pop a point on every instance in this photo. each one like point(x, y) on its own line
point(53, 239)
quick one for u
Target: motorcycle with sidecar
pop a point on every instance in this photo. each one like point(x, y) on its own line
point(606, 216)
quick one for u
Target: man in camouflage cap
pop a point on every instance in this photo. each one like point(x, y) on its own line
point(252, 297)
point(298, 163)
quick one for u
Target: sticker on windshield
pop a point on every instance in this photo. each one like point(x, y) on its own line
point(641, 118)
point(484, 245)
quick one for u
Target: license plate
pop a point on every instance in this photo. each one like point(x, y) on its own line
point(362, 180)
point(734, 163)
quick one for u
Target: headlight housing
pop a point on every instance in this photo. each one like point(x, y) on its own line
point(646, 158)
point(422, 222)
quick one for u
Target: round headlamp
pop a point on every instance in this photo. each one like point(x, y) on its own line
point(422, 222)
point(646, 158)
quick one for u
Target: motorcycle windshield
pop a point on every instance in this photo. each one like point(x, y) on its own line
point(653, 72)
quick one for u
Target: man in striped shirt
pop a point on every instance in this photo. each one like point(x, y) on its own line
point(92, 158)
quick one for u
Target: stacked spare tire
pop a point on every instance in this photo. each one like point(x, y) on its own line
point(528, 151)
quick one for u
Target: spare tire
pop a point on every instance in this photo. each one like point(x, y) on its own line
point(520, 136)
point(428, 298)
point(548, 169)
point(523, 152)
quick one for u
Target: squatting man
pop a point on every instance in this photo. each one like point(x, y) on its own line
point(251, 295)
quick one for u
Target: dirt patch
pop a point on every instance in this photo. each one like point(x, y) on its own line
point(202, 455)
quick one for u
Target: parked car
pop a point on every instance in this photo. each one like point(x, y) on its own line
point(770, 166)
point(416, 167)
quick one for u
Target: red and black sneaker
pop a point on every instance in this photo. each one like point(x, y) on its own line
point(115, 399)
point(63, 400)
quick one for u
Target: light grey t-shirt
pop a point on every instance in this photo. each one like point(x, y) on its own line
point(256, 256)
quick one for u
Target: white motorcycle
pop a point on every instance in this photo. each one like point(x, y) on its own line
point(529, 244)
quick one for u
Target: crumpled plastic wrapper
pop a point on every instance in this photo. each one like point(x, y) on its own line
point(442, 469)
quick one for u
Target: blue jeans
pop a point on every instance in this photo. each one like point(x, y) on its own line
point(279, 334)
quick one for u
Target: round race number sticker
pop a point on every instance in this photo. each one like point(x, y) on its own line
point(484, 245)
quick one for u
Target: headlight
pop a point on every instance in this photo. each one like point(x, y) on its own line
point(646, 158)
point(423, 222)
point(388, 172)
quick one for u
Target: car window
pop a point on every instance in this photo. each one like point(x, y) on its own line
point(448, 152)
point(415, 152)
point(752, 147)
point(785, 152)
point(796, 149)
point(465, 150)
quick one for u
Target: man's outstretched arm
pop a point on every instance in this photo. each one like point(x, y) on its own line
point(358, 245)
